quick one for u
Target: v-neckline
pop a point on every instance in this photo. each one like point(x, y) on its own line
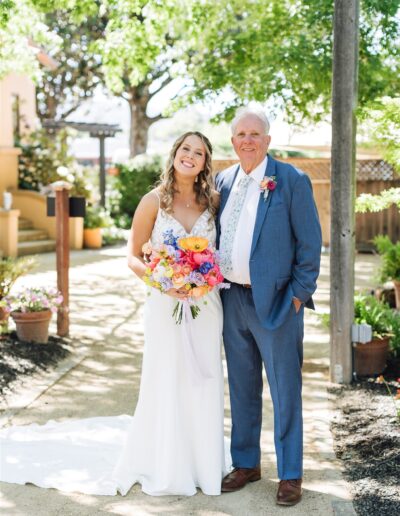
point(182, 226)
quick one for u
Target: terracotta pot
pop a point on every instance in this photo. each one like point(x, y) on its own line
point(113, 171)
point(32, 326)
point(3, 315)
point(397, 293)
point(370, 358)
point(92, 238)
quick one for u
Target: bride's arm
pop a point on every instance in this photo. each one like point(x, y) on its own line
point(141, 229)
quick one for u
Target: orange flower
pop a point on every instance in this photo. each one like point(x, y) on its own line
point(195, 244)
point(380, 379)
point(178, 280)
point(397, 394)
point(199, 291)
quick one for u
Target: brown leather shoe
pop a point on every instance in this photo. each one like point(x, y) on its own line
point(289, 492)
point(239, 477)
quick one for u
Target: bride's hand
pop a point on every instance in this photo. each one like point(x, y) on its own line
point(177, 293)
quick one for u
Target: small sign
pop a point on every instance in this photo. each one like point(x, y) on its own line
point(361, 333)
point(77, 206)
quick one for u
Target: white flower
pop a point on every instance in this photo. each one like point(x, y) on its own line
point(62, 171)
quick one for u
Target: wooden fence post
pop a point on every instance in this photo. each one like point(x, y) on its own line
point(62, 252)
point(344, 103)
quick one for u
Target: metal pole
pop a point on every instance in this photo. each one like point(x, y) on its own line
point(62, 253)
point(344, 102)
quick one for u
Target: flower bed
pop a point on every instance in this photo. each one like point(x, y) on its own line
point(21, 359)
point(366, 433)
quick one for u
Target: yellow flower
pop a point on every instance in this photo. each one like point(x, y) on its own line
point(195, 244)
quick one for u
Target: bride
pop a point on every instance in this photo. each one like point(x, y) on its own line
point(174, 442)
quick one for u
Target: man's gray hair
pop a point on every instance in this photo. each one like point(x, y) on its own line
point(245, 111)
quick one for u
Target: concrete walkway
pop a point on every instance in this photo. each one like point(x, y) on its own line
point(106, 309)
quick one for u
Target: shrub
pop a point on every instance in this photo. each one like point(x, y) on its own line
point(390, 253)
point(44, 159)
point(96, 217)
point(369, 310)
point(11, 269)
point(135, 179)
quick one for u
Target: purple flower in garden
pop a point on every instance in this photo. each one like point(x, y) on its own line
point(34, 300)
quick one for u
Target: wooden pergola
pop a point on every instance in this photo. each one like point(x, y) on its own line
point(100, 131)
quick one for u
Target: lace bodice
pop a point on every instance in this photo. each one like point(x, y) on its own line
point(204, 227)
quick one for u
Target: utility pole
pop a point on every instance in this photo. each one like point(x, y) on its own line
point(344, 102)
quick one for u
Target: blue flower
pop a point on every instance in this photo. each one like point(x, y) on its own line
point(170, 238)
point(205, 267)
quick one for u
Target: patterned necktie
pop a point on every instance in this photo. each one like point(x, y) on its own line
point(228, 235)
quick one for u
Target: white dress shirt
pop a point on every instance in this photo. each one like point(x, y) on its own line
point(245, 228)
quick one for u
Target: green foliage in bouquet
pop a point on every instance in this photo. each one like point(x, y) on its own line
point(44, 159)
point(390, 253)
point(136, 178)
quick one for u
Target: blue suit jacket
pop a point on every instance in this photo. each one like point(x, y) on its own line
point(286, 246)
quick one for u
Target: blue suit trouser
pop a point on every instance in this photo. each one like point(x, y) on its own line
point(247, 346)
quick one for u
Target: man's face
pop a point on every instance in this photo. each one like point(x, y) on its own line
point(250, 142)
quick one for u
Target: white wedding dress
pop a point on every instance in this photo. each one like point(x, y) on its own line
point(174, 442)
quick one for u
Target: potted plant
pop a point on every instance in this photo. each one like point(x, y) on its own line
point(95, 219)
point(10, 270)
point(370, 357)
point(31, 310)
point(390, 269)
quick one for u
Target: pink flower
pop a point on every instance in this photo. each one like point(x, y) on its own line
point(213, 277)
point(271, 185)
point(205, 256)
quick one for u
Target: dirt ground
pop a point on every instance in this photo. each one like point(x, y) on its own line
point(21, 359)
point(366, 431)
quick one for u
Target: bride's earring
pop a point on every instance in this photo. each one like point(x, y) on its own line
point(196, 179)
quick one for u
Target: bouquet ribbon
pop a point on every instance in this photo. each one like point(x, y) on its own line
point(197, 369)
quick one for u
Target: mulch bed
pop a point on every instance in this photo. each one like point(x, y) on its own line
point(20, 359)
point(366, 434)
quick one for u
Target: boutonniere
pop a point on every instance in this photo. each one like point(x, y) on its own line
point(268, 184)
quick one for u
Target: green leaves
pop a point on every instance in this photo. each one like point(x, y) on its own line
point(390, 253)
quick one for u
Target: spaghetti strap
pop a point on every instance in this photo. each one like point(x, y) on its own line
point(159, 199)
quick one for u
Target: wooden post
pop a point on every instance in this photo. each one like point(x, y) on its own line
point(62, 252)
point(344, 101)
point(102, 163)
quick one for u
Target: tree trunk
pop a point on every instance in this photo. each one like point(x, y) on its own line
point(140, 122)
point(344, 102)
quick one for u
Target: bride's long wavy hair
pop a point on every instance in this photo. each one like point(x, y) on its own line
point(204, 184)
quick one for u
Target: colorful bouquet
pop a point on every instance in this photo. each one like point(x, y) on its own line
point(188, 264)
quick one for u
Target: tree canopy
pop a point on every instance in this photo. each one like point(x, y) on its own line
point(235, 51)
point(282, 51)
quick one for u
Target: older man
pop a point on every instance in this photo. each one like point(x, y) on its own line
point(270, 244)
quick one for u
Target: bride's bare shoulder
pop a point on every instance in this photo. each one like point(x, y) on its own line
point(149, 204)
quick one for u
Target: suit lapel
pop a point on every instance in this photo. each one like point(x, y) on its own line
point(227, 189)
point(263, 204)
